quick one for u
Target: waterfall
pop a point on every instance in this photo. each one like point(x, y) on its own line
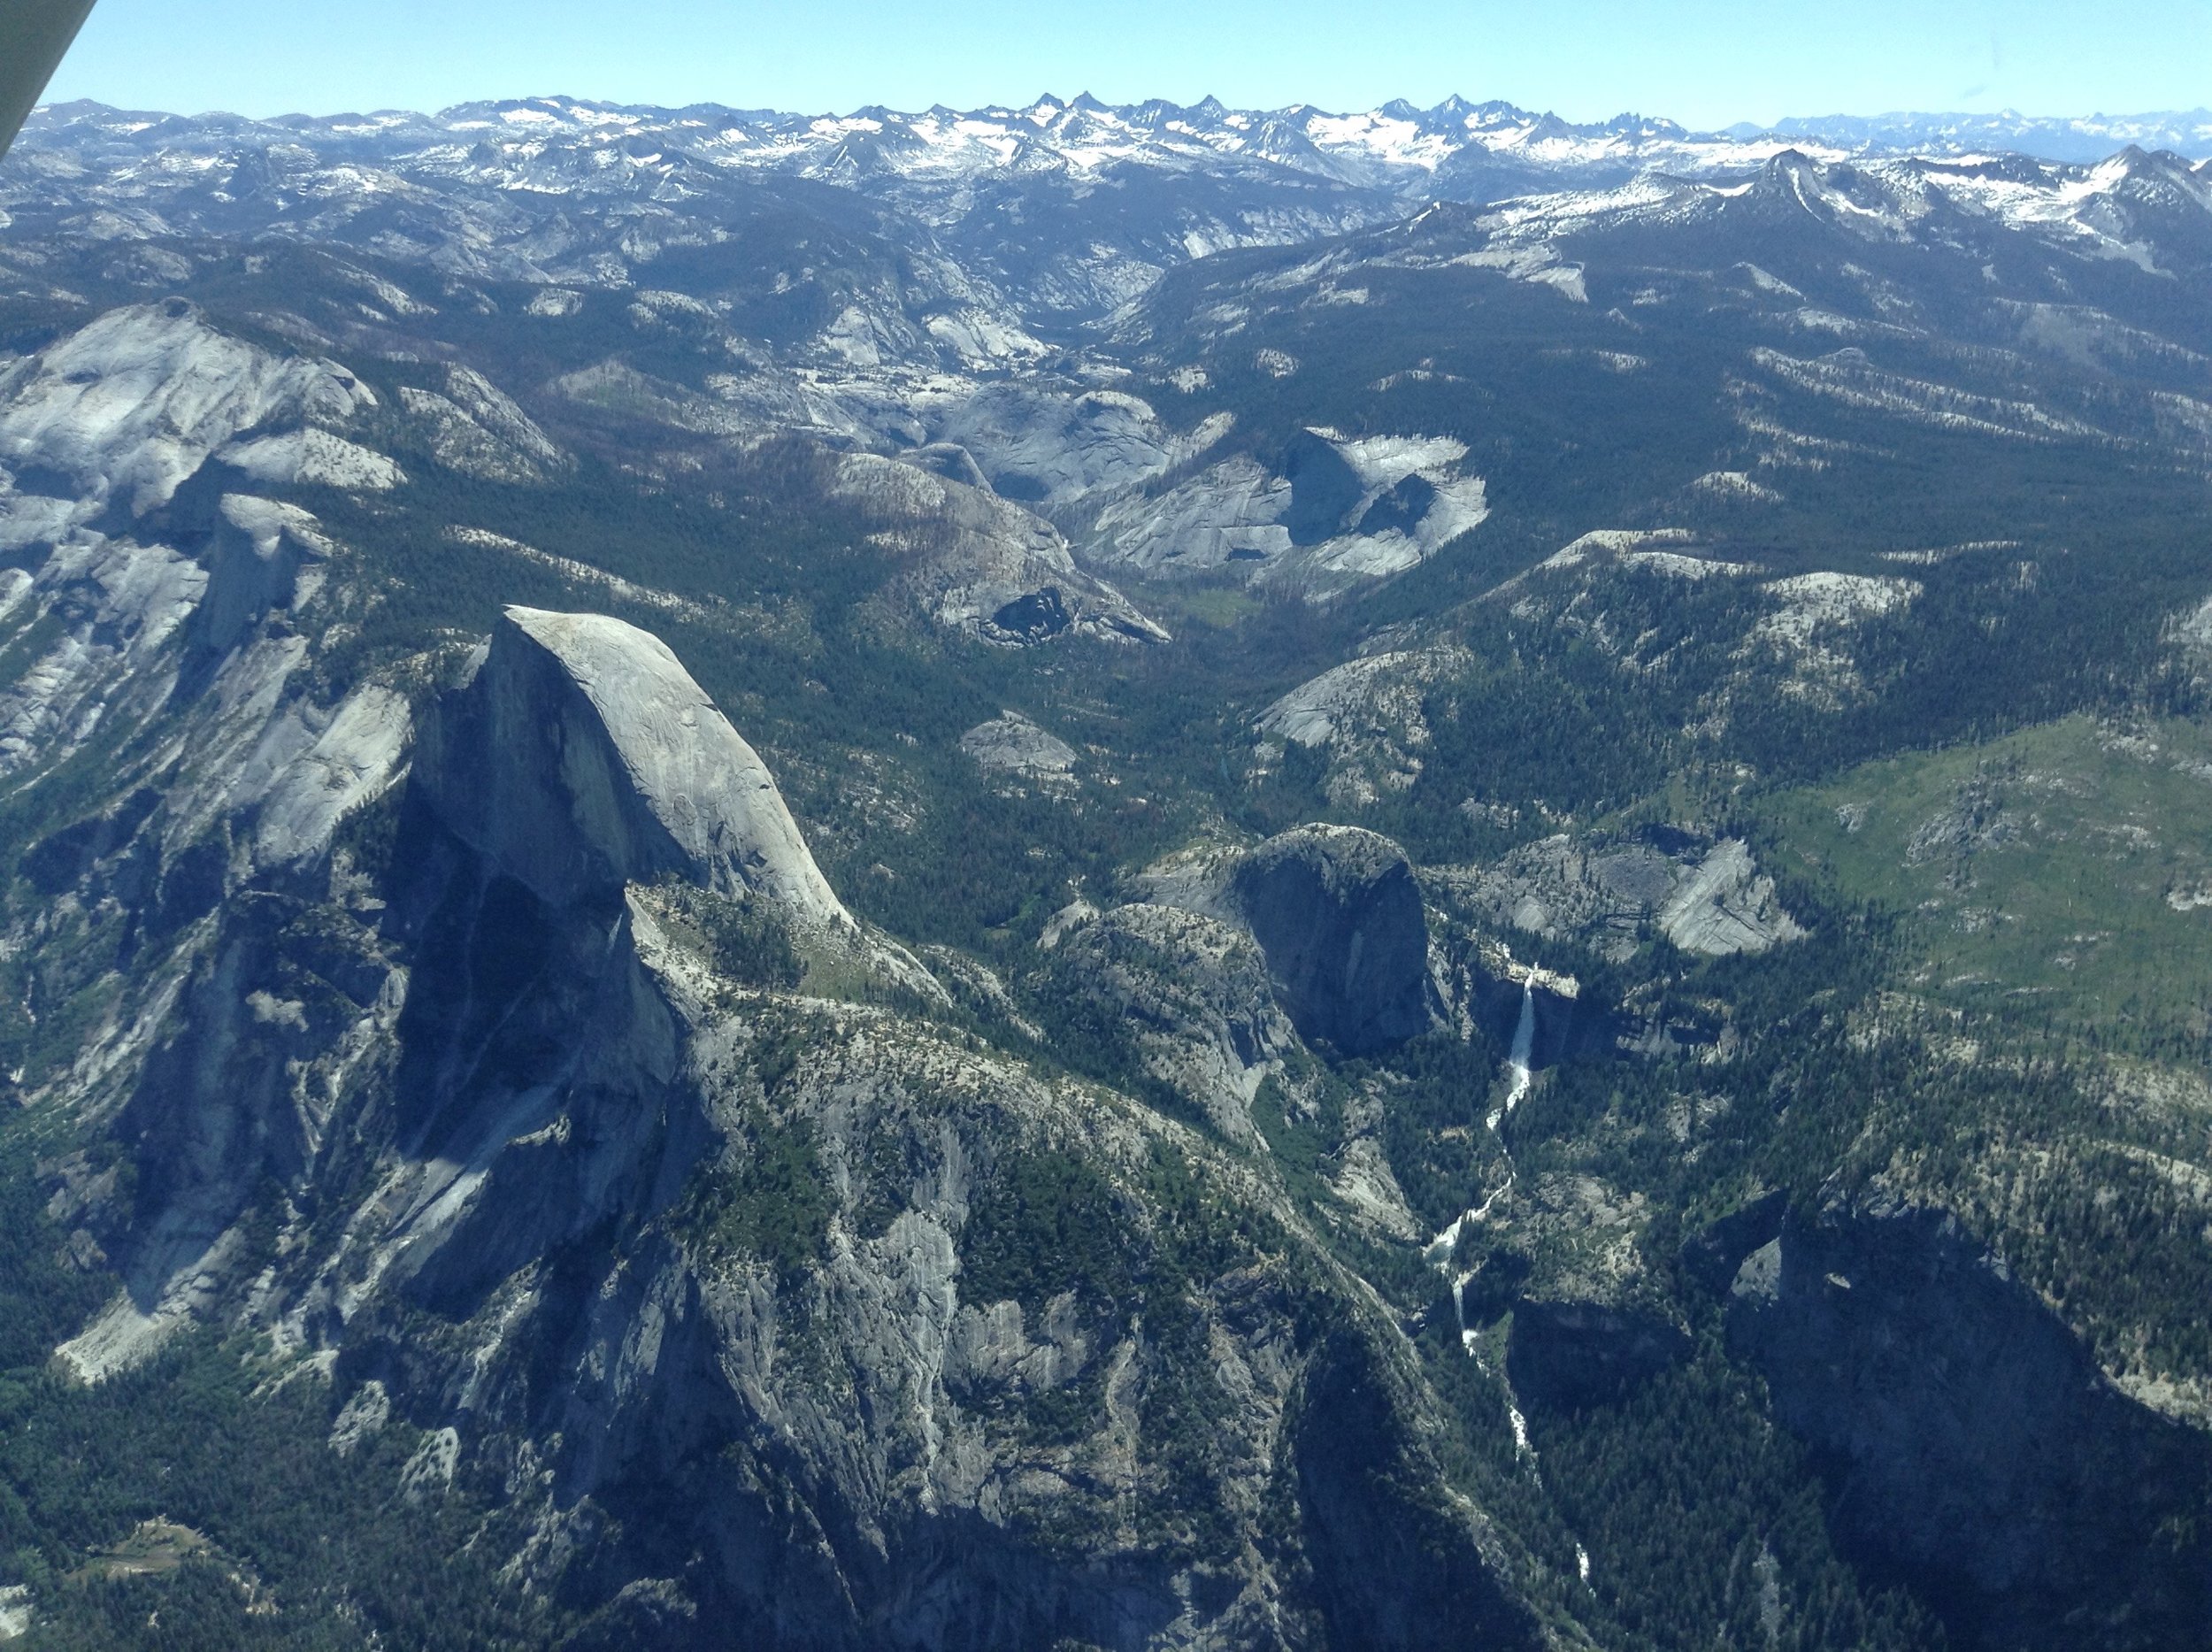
point(1440, 1251)
point(1523, 1044)
point(1523, 1053)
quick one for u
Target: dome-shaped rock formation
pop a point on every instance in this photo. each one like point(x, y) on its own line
point(582, 756)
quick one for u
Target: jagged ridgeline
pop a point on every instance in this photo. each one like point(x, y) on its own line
point(1100, 878)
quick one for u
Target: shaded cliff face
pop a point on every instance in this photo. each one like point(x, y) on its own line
point(1338, 914)
point(1393, 1573)
point(1972, 1443)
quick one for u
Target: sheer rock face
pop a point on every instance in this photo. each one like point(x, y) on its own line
point(1977, 1446)
point(261, 556)
point(1338, 913)
point(582, 756)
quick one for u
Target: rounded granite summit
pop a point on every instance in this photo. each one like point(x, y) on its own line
point(582, 756)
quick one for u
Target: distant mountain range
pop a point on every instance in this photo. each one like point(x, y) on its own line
point(2047, 137)
point(1452, 143)
point(1069, 209)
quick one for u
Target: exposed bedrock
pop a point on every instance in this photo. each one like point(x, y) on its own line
point(582, 756)
point(1338, 914)
point(1971, 1442)
point(262, 558)
point(1191, 996)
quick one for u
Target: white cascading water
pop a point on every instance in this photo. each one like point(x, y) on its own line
point(1523, 1053)
point(1442, 1249)
point(1442, 1252)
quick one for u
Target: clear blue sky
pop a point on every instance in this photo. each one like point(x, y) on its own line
point(1704, 64)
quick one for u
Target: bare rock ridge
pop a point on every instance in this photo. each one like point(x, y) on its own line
point(1706, 896)
point(1228, 958)
point(1010, 743)
point(1192, 993)
point(261, 556)
point(124, 410)
point(582, 756)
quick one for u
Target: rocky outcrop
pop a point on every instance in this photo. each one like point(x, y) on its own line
point(581, 757)
point(1052, 448)
point(261, 556)
point(312, 457)
point(1726, 905)
point(1974, 1446)
point(1328, 512)
point(1338, 914)
point(981, 564)
point(1333, 913)
point(1369, 715)
point(1710, 1256)
point(1612, 892)
point(476, 429)
point(1191, 996)
point(1564, 1255)
point(128, 406)
point(1010, 744)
